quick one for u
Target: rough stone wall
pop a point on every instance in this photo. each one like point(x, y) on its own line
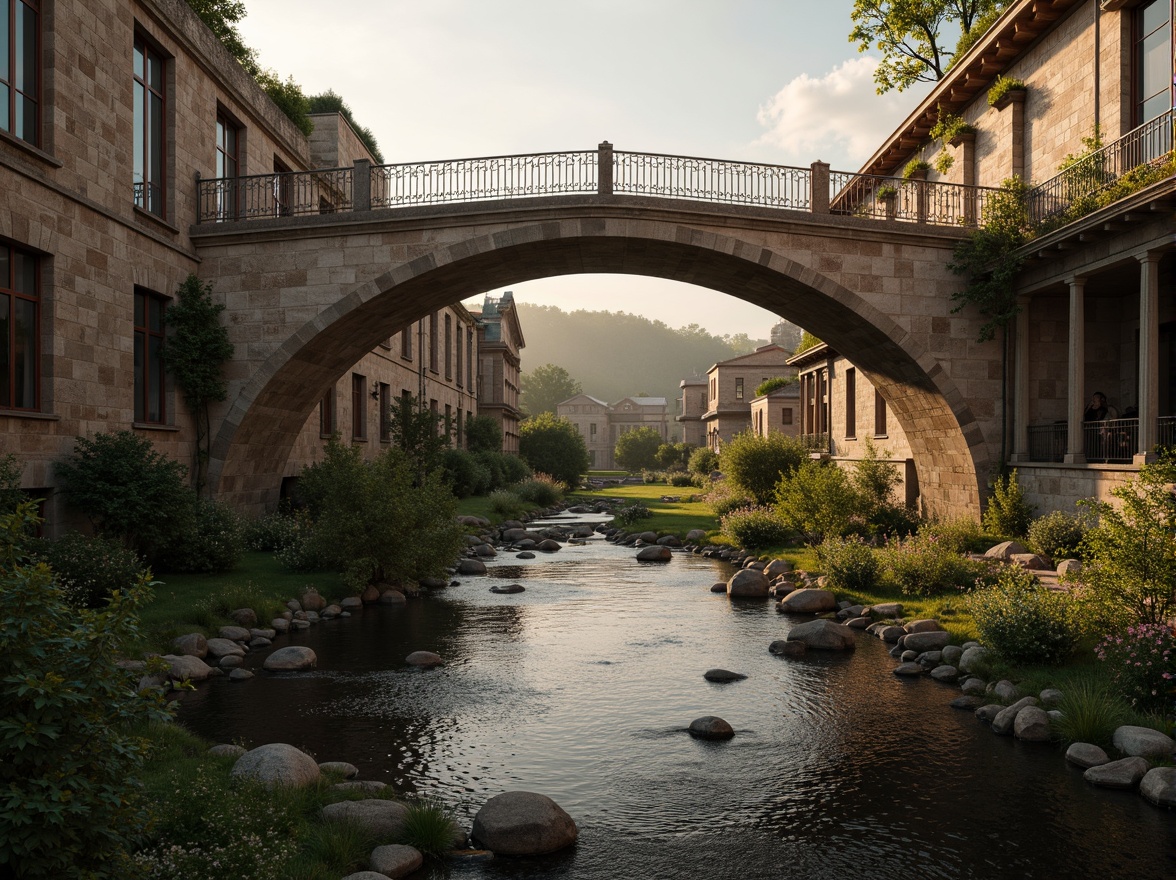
point(852, 446)
point(334, 143)
point(1049, 328)
point(1055, 487)
point(767, 415)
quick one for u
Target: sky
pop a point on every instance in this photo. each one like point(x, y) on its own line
point(773, 81)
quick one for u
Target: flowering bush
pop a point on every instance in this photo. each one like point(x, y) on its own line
point(89, 570)
point(925, 564)
point(632, 513)
point(271, 532)
point(541, 489)
point(725, 497)
point(1024, 621)
point(850, 563)
point(212, 544)
point(754, 527)
point(1142, 663)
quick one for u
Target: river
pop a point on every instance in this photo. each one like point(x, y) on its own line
point(581, 688)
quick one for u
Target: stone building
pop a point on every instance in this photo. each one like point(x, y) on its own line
point(777, 412)
point(602, 424)
point(691, 408)
point(841, 414)
point(499, 340)
point(730, 387)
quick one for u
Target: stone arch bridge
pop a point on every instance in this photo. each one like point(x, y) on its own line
point(316, 268)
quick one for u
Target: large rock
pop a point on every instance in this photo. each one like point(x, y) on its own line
point(924, 625)
point(1143, 742)
point(777, 567)
point(887, 610)
point(1003, 723)
point(824, 635)
point(1031, 561)
point(1006, 550)
point(973, 659)
point(340, 768)
point(424, 659)
point(952, 654)
point(245, 617)
point(312, 601)
point(522, 823)
point(547, 546)
point(723, 675)
point(227, 750)
point(1124, 773)
point(890, 633)
point(908, 669)
point(383, 818)
point(1069, 566)
point(234, 633)
point(695, 535)
point(218, 648)
point(926, 641)
point(808, 601)
point(747, 583)
point(945, 673)
point(277, 764)
point(711, 727)
point(1086, 755)
point(507, 589)
point(191, 645)
point(785, 648)
point(471, 566)
point(184, 667)
point(393, 597)
point(1159, 786)
point(291, 657)
point(1032, 725)
point(654, 553)
point(394, 860)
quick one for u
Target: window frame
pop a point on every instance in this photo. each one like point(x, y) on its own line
point(150, 49)
point(385, 412)
point(1138, 100)
point(9, 78)
point(327, 414)
point(358, 407)
point(229, 196)
point(850, 403)
point(879, 414)
point(434, 353)
point(8, 288)
point(142, 384)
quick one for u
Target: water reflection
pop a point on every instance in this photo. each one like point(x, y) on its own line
point(582, 686)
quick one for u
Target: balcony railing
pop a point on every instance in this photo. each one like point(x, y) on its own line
point(1166, 431)
point(1113, 441)
point(266, 196)
point(912, 201)
point(1148, 145)
point(1047, 442)
point(815, 442)
point(484, 179)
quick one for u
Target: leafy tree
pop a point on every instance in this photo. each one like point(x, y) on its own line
point(703, 461)
point(756, 464)
point(637, 449)
point(195, 353)
point(70, 802)
point(128, 490)
point(552, 445)
point(329, 102)
point(807, 341)
point(770, 385)
point(674, 456)
point(222, 16)
point(377, 520)
point(288, 95)
point(817, 501)
point(419, 433)
point(1008, 513)
point(483, 434)
point(545, 387)
point(909, 34)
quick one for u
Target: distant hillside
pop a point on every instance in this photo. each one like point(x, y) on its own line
point(615, 354)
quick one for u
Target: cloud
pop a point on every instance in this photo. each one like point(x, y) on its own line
point(837, 118)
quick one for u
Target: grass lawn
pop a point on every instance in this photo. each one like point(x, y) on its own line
point(669, 517)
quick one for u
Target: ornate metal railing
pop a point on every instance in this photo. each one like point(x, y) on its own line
point(1150, 144)
point(284, 194)
point(914, 201)
point(484, 179)
point(1113, 441)
point(711, 180)
point(1166, 431)
point(1047, 442)
point(815, 442)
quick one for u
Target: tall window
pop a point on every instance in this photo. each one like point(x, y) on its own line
point(851, 402)
point(739, 388)
point(327, 413)
point(879, 415)
point(358, 407)
point(20, 86)
point(385, 412)
point(19, 330)
point(470, 359)
point(460, 343)
point(406, 343)
point(1153, 60)
point(434, 351)
point(150, 130)
point(448, 347)
point(150, 397)
point(228, 165)
point(460, 426)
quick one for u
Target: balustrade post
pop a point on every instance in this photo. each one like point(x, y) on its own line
point(819, 188)
point(1075, 441)
point(1149, 355)
point(919, 179)
point(604, 169)
point(361, 185)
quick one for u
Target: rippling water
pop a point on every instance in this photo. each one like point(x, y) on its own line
point(582, 687)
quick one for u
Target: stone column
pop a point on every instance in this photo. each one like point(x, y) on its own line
point(1149, 355)
point(1075, 450)
point(1021, 382)
point(361, 185)
point(604, 169)
point(819, 188)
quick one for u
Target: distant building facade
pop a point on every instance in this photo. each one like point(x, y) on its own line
point(731, 386)
point(777, 412)
point(500, 338)
point(691, 409)
point(602, 424)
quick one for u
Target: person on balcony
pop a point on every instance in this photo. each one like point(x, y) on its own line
point(1098, 410)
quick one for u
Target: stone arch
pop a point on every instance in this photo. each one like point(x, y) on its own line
point(257, 431)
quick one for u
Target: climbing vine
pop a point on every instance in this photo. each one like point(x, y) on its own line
point(947, 128)
point(195, 353)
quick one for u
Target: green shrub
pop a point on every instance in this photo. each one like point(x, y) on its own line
point(129, 491)
point(552, 444)
point(464, 474)
point(1057, 535)
point(770, 385)
point(483, 434)
point(297, 550)
point(70, 803)
point(961, 535)
point(10, 492)
point(680, 480)
point(850, 563)
point(703, 461)
point(89, 570)
point(270, 532)
point(429, 827)
point(674, 456)
point(632, 513)
point(725, 497)
point(1023, 621)
point(818, 501)
point(1002, 86)
point(1091, 713)
point(213, 544)
point(651, 477)
point(756, 464)
point(1008, 512)
point(920, 565)
point(514, 469)
point(755, 527)
point(540, 489)
point(636, 449)
point(506, 504)
point(874, 478)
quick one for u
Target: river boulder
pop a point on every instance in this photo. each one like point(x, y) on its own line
point(926, 641)
point(184, 667)
point(723, 675)
point(312, 601)
point(395, 860)
point(1003, 723)
point(471, 566)
point(824, 635)
point(384, 818)
point(1159, 786)
point(424, 659)
point(523, 823)
point(290, 658)
point(1032, 725)
point(277, 764)
point(1143, 742)
point(191, 645)
point(1086, 755)
point(507, 588)
point(808, 601)
point(785, 648)
point(711, 727)
point(747, 583)
point(654, 553)
point(1124, 773)
point(973, 659)
point(1005, 550)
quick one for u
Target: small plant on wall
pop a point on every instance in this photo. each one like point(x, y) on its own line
point(1002, 87)
point(195, 353)
point(947, 130)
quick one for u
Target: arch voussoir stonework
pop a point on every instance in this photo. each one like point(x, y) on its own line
point(272, 404)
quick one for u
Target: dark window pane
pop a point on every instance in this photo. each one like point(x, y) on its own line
point(1153, 107)
point(140, 172)
point(24, 276)
point(5, 97)
point(5, 267)
point(25, 355)
point(1152, 16)
point(139, 380)
point(24, 126)
point(155, 72)
point(1156, 62)
point(154, 380)
point(155, 309)
point(140, 310)
point(138, 58)
point(26, 49)
point(155, 151)
point(5, 351)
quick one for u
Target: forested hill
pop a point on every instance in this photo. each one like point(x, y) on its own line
point(615, 354)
